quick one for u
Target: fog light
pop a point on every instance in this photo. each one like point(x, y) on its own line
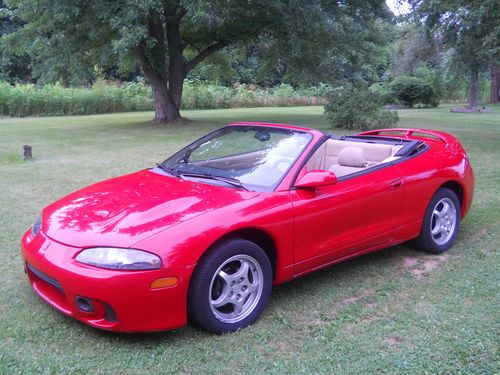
point(164, 282)
point(84, 304)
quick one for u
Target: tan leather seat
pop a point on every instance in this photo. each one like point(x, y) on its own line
point(327, 155)
point(374, 153)
point(350, 160)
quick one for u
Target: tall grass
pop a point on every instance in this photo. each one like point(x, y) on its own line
point(23, 100)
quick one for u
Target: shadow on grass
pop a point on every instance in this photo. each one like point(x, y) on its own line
point(341, 275)
point(193, 121)
point(289, 294)
point(188, 124)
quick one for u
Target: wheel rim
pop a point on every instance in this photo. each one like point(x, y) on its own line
point(443, 221)
point(236, 288)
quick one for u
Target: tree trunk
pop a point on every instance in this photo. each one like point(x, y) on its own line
point(165, 110)
point(474, 79)
point(495, 84)
point(175, 63)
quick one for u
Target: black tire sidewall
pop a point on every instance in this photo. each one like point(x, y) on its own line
point(199, 311)
point(425, 241)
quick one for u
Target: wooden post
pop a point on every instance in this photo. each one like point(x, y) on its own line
point(495, 84)
point(27, 152)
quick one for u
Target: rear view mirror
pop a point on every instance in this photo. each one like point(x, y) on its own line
point(314, 179)
point(262, 136)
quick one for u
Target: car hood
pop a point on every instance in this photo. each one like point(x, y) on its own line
point(127, 209)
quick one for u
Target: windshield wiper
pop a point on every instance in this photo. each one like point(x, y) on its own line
point(227, 180)
point(169, 170)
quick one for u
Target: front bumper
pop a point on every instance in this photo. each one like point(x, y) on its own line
point(120, 300)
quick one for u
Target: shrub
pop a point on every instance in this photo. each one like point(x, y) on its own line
point(352, 108)
point(412, 90)
point(384, 92)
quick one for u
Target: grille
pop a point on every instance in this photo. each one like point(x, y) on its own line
point(45, 278)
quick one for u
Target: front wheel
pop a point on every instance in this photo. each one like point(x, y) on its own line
point(230, 286)
point(440, 224)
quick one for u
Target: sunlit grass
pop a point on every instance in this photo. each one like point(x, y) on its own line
point(395, 311)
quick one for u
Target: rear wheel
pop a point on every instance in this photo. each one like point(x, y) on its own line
point(440, 224)
point(230, 286)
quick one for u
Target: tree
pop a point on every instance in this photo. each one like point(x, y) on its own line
point(169, 38)
point(346, 47)
point(495, 84)
point(12, 67)
point(470, 29)
point(414, 47)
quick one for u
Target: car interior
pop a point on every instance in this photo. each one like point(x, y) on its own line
point(343, 155)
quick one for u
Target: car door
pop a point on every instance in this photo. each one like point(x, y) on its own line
point(353, 215)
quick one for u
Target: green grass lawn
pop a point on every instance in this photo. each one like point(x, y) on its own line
point(394, 311)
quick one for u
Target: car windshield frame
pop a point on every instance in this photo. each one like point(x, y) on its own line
point(174, 164)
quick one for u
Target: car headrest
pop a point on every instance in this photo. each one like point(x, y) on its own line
point(352, 157)
point(288, 147)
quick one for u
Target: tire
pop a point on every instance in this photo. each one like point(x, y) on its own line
point(230, 287)
point(440, 224)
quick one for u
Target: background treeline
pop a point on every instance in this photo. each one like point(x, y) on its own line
point(53, 62)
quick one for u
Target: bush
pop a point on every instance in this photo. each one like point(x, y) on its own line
point(384, 92)
point(412, 90)
point(351, 108)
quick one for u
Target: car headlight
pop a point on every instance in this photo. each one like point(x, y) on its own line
point(37, 225)
point(119, 259)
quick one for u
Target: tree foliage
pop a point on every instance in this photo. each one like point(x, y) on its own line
point(413, 47)
point(311, 40)
point(470, 29)
point(12, 67)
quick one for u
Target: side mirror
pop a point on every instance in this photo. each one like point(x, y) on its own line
point(314, 179)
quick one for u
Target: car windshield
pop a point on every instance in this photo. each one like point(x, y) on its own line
point(254, 157)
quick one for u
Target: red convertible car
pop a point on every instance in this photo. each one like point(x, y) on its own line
point(203, 236)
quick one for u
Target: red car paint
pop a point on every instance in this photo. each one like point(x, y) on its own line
point(304, 229)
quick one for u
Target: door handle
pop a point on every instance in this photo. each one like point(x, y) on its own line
point(397, 184)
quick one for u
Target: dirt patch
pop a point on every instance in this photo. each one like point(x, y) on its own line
point(409, 262)
point(393, 340)
point(314, 322)
point(315, 319)
point(478, 235)
point(352, 299)
point(429, 265)
point(282, 347)
point(419, 267)
point(368, 319)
